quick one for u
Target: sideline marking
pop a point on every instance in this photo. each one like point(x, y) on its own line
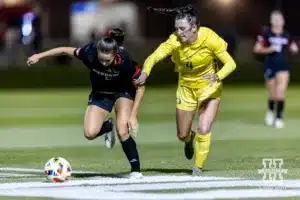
point(123, 188)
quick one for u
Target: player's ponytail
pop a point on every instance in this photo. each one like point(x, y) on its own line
point(164, 11)
point(188, 12)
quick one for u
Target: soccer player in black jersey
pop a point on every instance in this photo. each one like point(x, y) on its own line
point(275, 43)
point(112, 72)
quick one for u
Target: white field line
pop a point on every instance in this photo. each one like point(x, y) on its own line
point(292, 184)
point(2, 175)
point(11, 169)
point(99, 193)
point(134, 189)
point(112, 181)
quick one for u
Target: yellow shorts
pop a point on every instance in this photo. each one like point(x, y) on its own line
point(190, 99)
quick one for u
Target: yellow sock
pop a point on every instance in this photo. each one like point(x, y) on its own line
point(202, 146)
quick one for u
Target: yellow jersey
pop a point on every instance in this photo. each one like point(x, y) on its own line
point(194, 60)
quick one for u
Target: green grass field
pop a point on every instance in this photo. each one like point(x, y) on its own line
point(37, 125)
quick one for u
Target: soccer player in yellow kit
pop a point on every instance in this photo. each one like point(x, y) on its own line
point(195, 51)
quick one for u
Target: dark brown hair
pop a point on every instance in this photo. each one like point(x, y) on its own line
point(107, 45)
point(117, 34)
point(187, 12)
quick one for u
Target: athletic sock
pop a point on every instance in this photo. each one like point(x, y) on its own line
point(271, 105)
point(280, 108)
point(106, 127)
point(202, 146)
point(131, 152)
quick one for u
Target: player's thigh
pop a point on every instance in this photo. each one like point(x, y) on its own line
point(93, 120)
point(270, 81)
point(271, 88)
point(123, 108)
point(99, 106)
point(185, 110)
point(282, 81)
point(209, 102)
point(184, 120)
point(208, 114)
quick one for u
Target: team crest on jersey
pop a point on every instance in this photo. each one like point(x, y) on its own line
point(189, 65)
point(112, 70)
point(278, 40)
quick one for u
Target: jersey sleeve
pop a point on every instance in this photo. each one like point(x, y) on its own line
point(219, 48)
point(291, 39)
point(83, 52)
point(164, 49)
point(215, 43)
point(137, 71)
point(262, 38)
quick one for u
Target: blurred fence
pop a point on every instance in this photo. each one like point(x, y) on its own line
point(65, 72)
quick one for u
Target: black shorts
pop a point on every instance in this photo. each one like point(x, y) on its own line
point(270, 71)
point(107, 100)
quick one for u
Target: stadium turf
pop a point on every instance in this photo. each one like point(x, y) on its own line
point(37, 125)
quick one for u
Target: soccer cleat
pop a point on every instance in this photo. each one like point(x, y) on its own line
point(196, 171)
point(189, 147)
point(269, 119)
point(135, 175)
point(110, 137)
point(279, 123)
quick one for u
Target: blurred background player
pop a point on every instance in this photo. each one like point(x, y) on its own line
point(111, 74)
point(194, 50)
point(275, 42)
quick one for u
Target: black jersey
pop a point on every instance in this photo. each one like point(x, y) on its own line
point(280, 42)
point(115, 78)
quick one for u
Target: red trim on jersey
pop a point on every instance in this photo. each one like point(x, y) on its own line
point(118, 59)
point(292, 42)
point(137, 71)
point(137, 68)
point(261, 40)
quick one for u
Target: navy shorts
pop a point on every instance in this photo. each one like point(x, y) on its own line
point(271, 71)
point(107, 100)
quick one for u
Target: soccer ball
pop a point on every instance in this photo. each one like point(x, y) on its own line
point(57, 169)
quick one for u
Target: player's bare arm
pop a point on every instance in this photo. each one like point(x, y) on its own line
point(133, 121)
point(259, 48)
point(294, 49)
point(52, 52)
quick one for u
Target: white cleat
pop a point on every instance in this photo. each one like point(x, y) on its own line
point(110, 137)
point(269, 120)
point(196, 171)
point(135, 175)
point(279, 123)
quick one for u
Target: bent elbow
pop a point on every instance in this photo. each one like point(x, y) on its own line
point(233, 64)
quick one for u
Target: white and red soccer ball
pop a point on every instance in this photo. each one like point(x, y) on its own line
point(57, 169)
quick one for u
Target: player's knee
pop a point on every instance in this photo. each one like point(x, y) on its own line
point(204, 129)
point(280, 94)
point(123, 136)
point(182, 135)
point(91, 133)
point(122, 130)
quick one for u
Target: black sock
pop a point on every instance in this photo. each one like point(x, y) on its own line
point(106, 127)
point(271, 105)
point(130, 150)
point(280, 107)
